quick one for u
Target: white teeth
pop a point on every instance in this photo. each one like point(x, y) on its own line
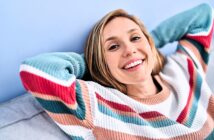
point(133, 64)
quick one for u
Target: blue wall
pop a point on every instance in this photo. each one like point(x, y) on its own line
point(30, 27)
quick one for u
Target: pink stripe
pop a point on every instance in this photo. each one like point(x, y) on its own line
point(44, 86)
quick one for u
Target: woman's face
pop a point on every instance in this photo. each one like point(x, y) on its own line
point(127, 51)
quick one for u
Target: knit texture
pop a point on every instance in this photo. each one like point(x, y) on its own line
point(183, 109)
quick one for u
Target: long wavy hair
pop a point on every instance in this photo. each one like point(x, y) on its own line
point(94, 52)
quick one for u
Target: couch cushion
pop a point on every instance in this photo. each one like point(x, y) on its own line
point(23, 118)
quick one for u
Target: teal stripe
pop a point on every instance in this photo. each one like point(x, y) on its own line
point(59, 107)
point(204, 54)
point(211, 136)
point(181, 48)
point(79, 99)
point(138, 121)
point(196, 97)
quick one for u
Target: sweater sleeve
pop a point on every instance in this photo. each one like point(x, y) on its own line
point(192, 29)
point(51, 79)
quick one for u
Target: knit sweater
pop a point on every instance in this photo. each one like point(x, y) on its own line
point(183, 109)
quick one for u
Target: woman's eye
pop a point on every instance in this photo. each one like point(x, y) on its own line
point(113, 47)
point(135, 38)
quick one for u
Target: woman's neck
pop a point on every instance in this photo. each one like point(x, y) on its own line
point(144, 89)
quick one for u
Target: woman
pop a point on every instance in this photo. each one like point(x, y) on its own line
point(137, 93)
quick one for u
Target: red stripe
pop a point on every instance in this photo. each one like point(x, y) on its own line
point(184, 112)
point(114, 105)
point(151, 114)
point(44, 86)
point(120, 107)
point(204, 40)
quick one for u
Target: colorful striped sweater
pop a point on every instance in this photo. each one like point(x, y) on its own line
point(88, 110)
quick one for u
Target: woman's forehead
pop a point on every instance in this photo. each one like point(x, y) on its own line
point(119, 25)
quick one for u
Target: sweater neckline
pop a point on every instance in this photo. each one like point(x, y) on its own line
point(160, 96)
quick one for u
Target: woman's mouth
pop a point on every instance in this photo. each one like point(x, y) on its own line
point(134, 65)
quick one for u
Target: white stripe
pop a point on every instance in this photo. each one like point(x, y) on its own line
point(116, 96)
point(201, 114)
point(107, 93)
point(76, 130)
point(167, 107)
point(38, 72)
point(146, 131)
point(93, 100)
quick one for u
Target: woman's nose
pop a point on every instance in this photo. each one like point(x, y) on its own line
point(129, 49)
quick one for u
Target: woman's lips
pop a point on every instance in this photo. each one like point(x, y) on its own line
point(133, 65)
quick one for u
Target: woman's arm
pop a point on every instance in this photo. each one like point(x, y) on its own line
point(192, 28)
point(192, 21)
point(51, 78)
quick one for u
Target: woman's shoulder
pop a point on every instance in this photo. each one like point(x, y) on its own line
point(175, 68)
point(180, 70)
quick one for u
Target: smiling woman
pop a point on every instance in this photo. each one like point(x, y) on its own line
point(118, 36)
point(131, 63)
point(136, 93)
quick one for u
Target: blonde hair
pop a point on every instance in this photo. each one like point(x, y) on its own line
point(94, 52)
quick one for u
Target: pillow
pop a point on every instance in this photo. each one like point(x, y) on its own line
point(23, 118)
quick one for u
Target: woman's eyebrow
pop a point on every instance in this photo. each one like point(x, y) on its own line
point(111, 38)
point(132, 30)
point(114, 37)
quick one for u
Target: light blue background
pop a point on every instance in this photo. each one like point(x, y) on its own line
point(30, 27)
